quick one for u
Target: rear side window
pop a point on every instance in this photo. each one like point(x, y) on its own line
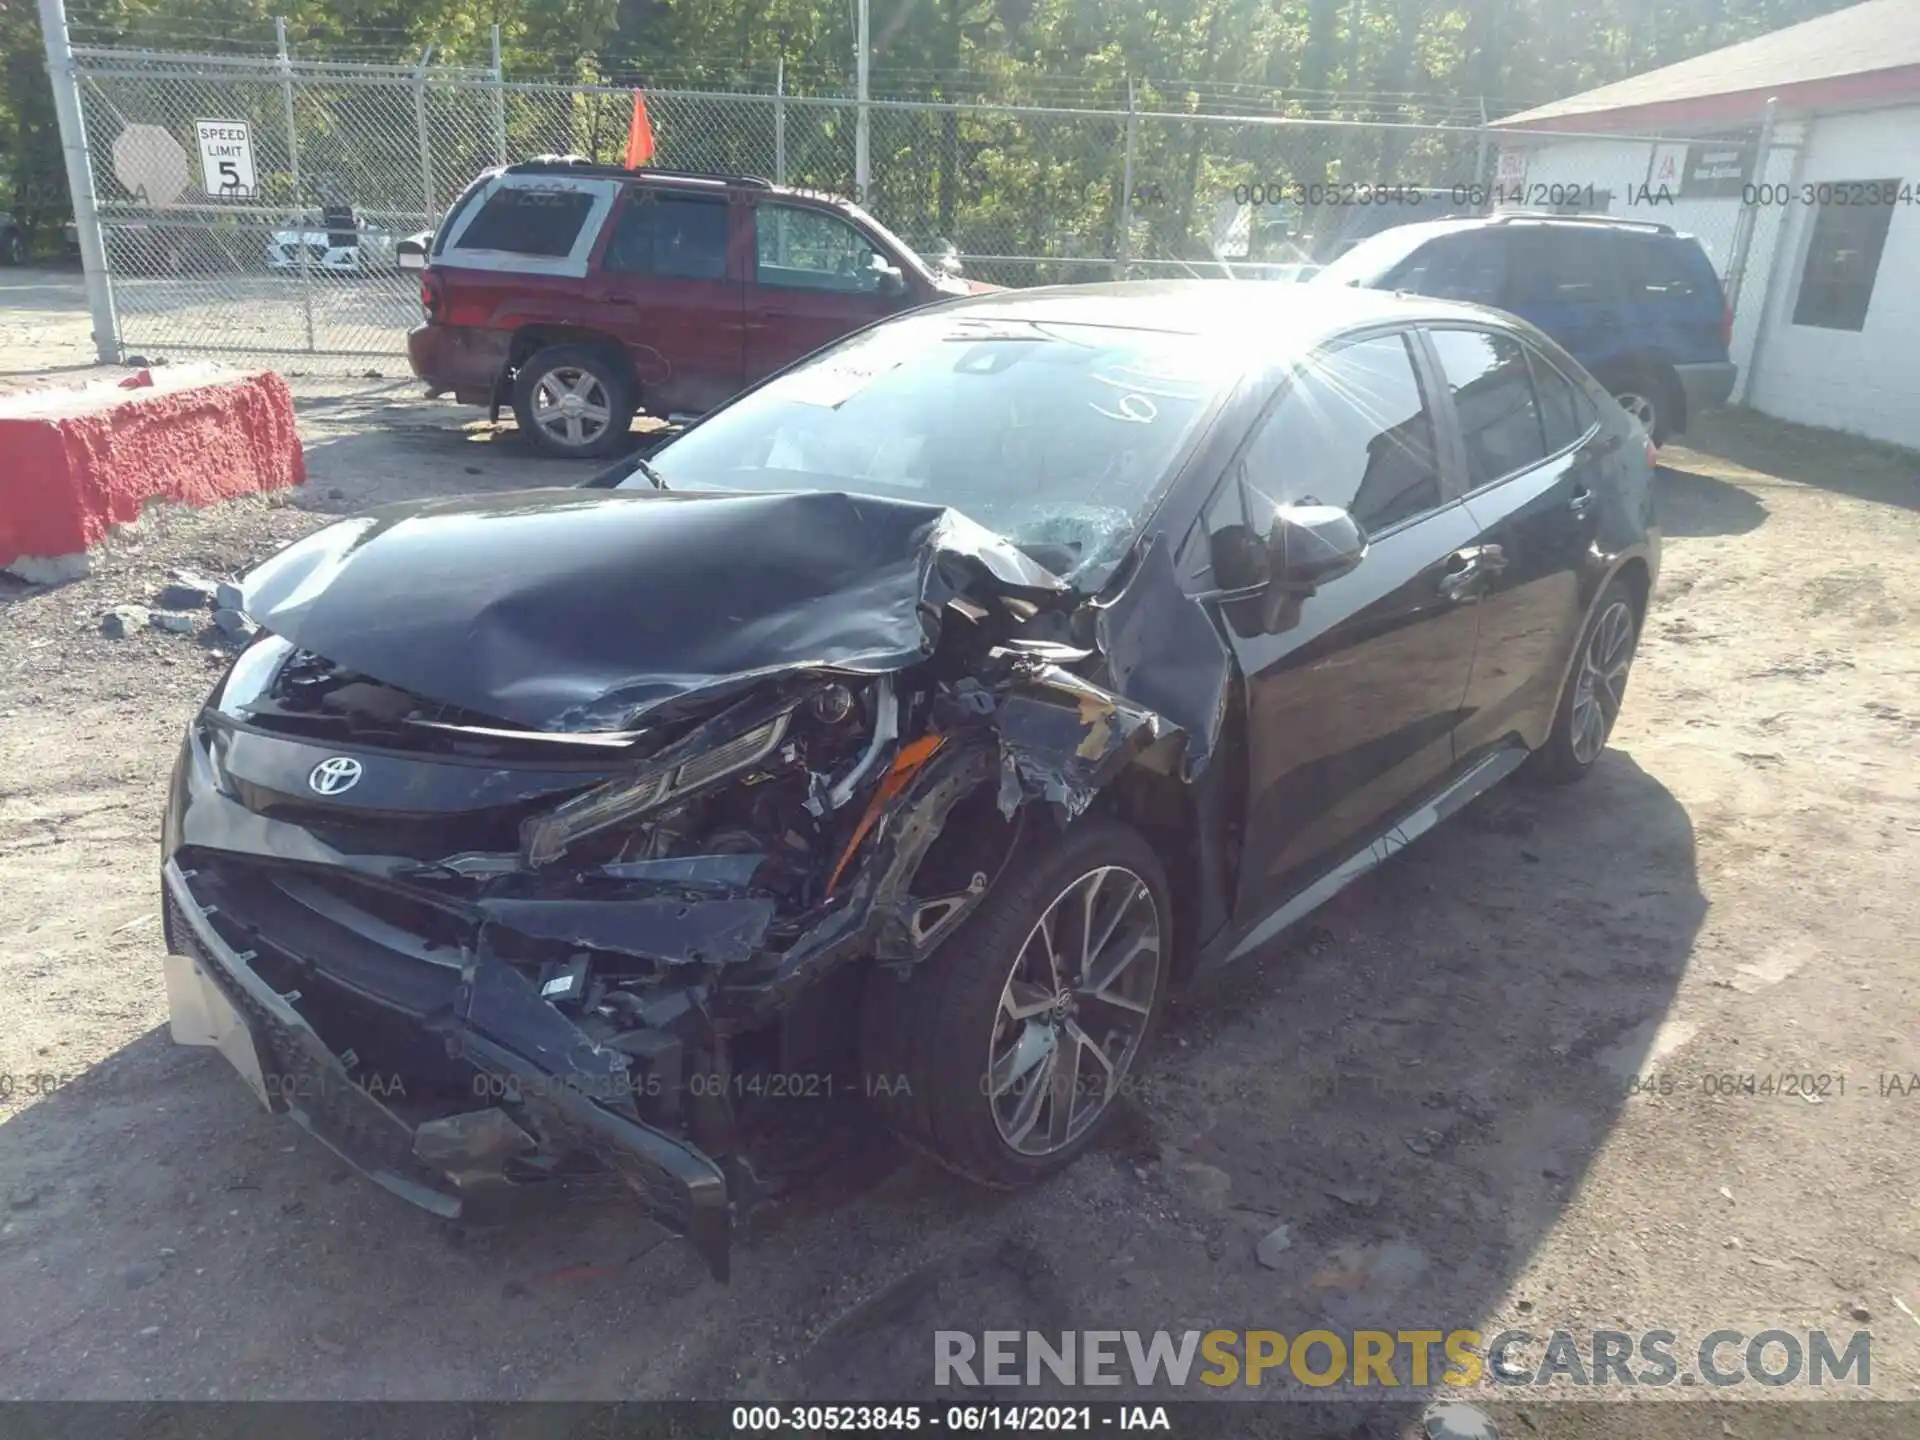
point(1565, 413)
point(1493, 397)
point(1458, 267)
point(528, 222)
point(1667, 272)
point(1353, 430)
point(684, 236)
point(1562, 264)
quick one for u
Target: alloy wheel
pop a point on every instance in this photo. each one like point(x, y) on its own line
point(1602, 683)
point(1640, 407)
point(572, 406)
point(1074, 1009)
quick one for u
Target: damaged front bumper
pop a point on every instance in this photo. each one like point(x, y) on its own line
point(453, 1164)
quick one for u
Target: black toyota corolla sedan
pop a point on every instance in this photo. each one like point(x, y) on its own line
point(902, 730)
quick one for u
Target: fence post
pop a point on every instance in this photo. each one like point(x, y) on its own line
point(86, 214)
point(1480, 147)
point(420, 126)
point(862, 170)
point(499, 107)
point(293, 164)
point(1125, 242)
point(780, 121)
point(1743, 226)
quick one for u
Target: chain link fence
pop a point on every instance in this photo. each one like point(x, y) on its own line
point(253, 205)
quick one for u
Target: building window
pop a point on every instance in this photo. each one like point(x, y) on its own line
point(1843, 257)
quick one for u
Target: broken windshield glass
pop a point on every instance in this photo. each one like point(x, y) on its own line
point(1057, 436)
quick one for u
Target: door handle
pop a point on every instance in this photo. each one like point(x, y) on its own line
point(1582, 503)
point(1467, 568)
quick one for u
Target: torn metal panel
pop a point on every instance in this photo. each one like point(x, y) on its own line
point(1164, 651)
point(477, 602)
point(1063, 739)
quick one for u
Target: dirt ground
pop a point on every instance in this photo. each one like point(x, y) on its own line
point(1431, 1082)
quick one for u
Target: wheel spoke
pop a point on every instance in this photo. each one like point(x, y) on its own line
point(1065, 1090)
point(1022, 1000)
point(1087, 1047)
point(1128, 900)
point(1052, 950)
point(1034, 1045)
point(574, 435)
point(598, 413)
point(1142, 944)
point(1038, 1089)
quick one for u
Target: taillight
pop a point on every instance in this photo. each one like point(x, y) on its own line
point(1726, 327)
point(430, 296)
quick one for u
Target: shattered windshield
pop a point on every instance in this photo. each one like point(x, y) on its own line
point(1057, 436)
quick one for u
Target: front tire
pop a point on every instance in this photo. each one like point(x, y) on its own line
point(1595, 690)
point(1001, 1055)
point(573, 401)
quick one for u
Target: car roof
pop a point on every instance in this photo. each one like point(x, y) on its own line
point(1294, 316)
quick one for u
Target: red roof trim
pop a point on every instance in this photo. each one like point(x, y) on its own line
point(1837, 92)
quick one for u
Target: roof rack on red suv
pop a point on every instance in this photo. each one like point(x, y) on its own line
point(580, 165)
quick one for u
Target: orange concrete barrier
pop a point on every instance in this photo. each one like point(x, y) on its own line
point(75, 461)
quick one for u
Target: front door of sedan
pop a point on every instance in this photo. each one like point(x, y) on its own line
point(1353, 696)
point(1532, 468)
point(813, 281)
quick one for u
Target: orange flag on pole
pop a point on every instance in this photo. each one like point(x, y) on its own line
point(639, 133)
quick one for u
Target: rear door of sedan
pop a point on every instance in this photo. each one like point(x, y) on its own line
point(1530, 444)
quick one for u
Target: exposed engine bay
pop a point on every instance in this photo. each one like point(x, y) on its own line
point(592, 895)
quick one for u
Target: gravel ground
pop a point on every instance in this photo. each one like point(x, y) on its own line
point(1432, 1083)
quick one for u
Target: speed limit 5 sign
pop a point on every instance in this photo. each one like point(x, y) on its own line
point(226, 158)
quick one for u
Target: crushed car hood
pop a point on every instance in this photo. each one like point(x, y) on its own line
point(570, 610)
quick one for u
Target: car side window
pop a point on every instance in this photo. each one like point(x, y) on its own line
point(802, 249)
point(528, 221)
point(1561, 265)
point(1458, 267)
point(1561, 413)
point(1660, 271)
point(1493, 396)
point(1352, 429)
point(681, 236)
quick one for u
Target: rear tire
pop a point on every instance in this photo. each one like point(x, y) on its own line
point(1651, 396)
point(1595, 690)
point(14, 248)
point(573, 401)
point(968, 1055)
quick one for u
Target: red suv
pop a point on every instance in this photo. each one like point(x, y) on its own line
point(582, 293)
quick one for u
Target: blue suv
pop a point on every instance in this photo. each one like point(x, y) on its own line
point(1634, 302)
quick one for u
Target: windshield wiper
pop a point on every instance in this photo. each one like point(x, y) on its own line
point(641, 467)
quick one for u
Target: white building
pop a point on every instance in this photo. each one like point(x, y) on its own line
point(1827, 321)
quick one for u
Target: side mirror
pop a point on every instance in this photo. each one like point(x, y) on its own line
point(1310, 545)
point(1265, 580)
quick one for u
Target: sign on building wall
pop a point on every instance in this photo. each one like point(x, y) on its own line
point(1719, 170)
point(226, 158)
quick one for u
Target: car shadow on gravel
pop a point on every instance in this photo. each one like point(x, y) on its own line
point(1691, 504)
point(1807, 455)
point(1413, 1084)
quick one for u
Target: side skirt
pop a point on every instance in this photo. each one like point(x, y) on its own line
point(1482, 776)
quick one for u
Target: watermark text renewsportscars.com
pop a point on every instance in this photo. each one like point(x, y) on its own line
point(1391, 1359)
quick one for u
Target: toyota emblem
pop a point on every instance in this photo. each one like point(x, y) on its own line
point(334, 775)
